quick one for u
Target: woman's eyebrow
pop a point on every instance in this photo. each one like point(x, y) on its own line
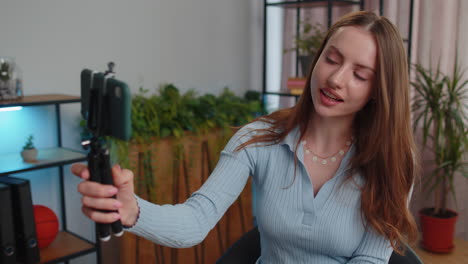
point(336, 50)
point(339, 53)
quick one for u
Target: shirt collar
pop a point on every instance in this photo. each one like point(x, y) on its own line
point(291, 138)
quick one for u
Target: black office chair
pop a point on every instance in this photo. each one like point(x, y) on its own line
point(246, 250)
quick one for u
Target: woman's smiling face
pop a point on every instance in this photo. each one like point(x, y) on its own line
point(343, 77)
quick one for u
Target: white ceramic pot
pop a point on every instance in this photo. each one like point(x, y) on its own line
point(29, 154)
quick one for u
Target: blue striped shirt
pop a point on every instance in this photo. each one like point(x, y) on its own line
point(295, 226)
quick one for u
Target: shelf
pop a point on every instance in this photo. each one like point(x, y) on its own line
point(13, 163)
point(282, 94)
point(64, 247)
point(44, 99)
point(311, 3)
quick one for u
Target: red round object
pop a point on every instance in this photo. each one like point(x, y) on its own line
point(47, 225)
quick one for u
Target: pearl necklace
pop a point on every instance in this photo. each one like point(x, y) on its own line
point(331, 159)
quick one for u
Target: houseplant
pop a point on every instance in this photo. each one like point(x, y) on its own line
point(439, 113)
point(29, 152)
point(5, 70)
point(10, 79)
point(306, 44)
point(5, 78)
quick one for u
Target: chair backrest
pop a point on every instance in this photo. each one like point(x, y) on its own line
point(245, 250)
point(410, 257)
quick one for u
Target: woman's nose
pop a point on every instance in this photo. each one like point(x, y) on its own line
point(337, 79)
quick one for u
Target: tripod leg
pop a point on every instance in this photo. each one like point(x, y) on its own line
point(107, 179)
point(94, 168)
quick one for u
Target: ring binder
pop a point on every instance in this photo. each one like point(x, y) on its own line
point(7, 233)
point(23, 213)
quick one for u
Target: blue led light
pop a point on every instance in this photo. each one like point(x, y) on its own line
point(13, 108)
point(16, 126)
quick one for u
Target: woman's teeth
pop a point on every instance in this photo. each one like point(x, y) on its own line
point(331, 96)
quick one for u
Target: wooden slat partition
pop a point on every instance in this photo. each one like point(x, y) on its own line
point(178, 167)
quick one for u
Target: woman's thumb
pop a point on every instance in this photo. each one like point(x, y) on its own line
point(121, 176)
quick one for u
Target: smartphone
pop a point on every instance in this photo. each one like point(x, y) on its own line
point(118, 100)
point(106, 105)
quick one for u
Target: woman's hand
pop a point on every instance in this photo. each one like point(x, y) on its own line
point(97, 196)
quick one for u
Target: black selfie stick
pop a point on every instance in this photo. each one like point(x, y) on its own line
point(98, 157)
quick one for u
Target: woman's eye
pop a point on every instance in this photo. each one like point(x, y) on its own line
point(360, 77)
point(330, 60)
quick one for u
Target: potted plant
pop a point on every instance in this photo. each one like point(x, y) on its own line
point(5, 76)
point(29, 152)
point(307, 43)
point(439, 110)
point(10, 81)
point(5, 70)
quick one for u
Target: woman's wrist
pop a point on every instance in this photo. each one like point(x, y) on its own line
point(132, 217)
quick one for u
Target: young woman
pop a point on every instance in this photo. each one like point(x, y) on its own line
point(333, 173)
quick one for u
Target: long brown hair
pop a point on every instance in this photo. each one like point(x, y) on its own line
point(385, 150)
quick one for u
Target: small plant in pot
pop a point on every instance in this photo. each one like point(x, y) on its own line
point(307, 43)
point(440, 113)
point(29, 152)
point(10, 81)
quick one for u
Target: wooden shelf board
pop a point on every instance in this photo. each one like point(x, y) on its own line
point(282, 94)
point(43, 99)
point(458, 255)
point(13, 162)
point(65, 245)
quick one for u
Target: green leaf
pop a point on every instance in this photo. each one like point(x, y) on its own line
point(439, 107)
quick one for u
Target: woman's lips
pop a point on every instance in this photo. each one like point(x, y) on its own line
point(329, 98)
point(332, 94)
